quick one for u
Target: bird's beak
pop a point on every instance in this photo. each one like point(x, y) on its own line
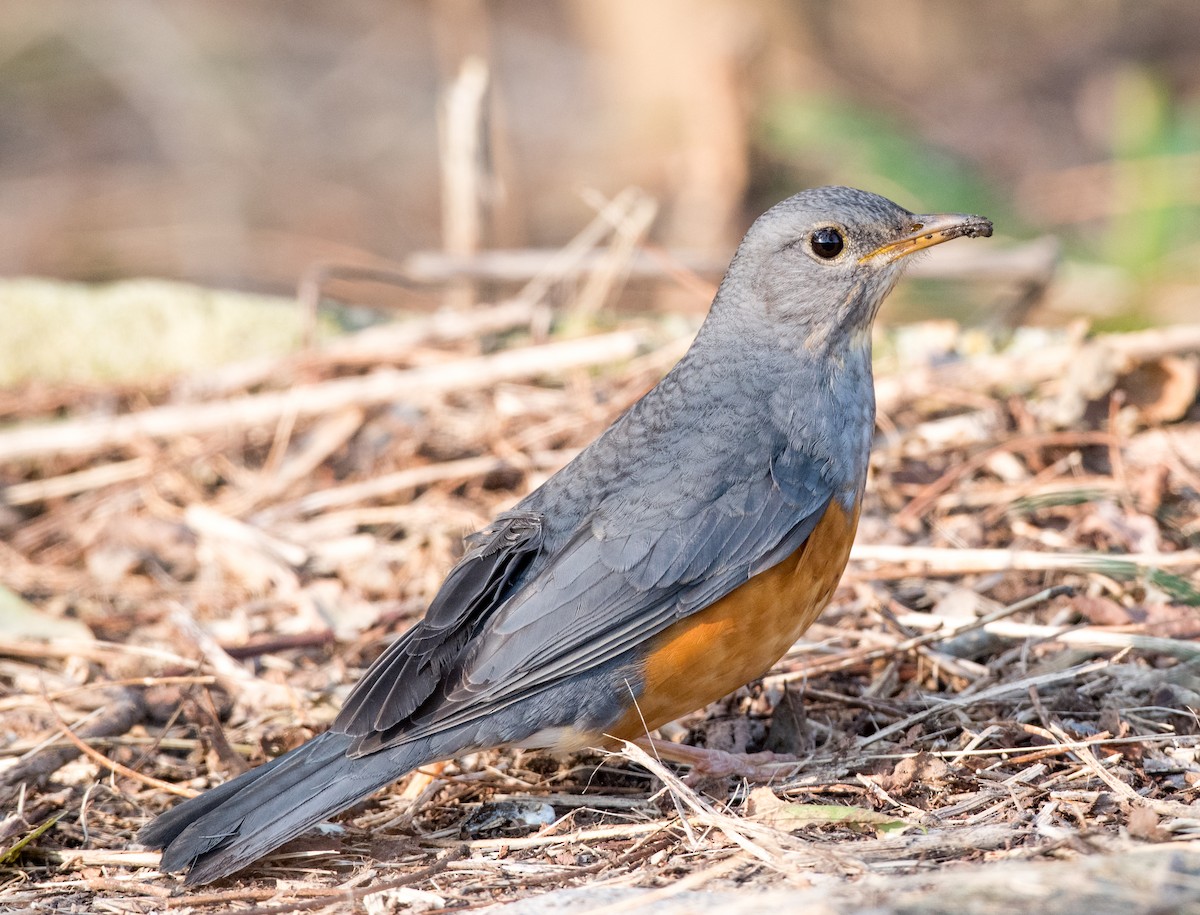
point(930, 230)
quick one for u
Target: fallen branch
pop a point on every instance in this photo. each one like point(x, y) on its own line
point(410, 478)
point(112, 765)
point(986, 695)
point(854, 658)
point(123, 713)
point(985, 373)
point(70, 484)
point(1087, 637)
point(82, 436)
point(934, 560)
point(379, 343)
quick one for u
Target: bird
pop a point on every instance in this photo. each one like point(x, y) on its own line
point(675, 559)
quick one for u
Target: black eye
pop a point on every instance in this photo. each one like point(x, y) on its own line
point(827, 243)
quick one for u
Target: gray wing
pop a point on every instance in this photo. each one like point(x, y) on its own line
point(511, 620)
point(410, 670)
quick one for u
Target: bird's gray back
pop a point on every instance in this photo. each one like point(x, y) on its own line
point(722, 414)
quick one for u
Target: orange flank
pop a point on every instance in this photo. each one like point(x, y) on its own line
point(711, 653)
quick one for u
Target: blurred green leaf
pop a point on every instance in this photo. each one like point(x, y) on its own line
point(1178, 587)
point(858, 146)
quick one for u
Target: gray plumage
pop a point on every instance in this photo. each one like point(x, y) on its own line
point(718, 473)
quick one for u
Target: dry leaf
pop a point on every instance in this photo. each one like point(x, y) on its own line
point(1162, 390)
point(1143, 824)
point(922, 771)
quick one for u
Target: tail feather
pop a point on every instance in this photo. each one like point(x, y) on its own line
point(167, 826)
point(228, 827)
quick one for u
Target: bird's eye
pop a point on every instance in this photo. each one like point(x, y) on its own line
point(827, 243)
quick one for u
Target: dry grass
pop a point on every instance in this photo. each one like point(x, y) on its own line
point(1010, 676)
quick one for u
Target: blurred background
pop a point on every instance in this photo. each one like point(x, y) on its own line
point(233, 143)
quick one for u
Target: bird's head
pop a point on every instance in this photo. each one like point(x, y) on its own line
point(815, 268)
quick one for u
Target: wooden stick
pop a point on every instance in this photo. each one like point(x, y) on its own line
point(609, 215)
point(917, 506)
point(276, 477)
point(112, 765)
point(390, 483)
point(932, 560)
point(603, 285)
point(81, 436)
point(387, 341)
point(207, 522)
point(986, 695)
point(70, 484)
point(463, 142)
point(1003, 370)
point(852, 658)
point(1088, 637)
point(380, 343)
point(125, 710)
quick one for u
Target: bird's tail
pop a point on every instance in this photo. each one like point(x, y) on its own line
point(228, 827)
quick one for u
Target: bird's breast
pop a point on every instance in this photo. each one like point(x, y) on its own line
point(736, 639)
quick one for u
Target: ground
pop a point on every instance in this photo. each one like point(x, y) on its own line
point(995, 713)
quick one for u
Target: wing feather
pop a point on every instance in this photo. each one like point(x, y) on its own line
point(409, 671)
point(513, 619)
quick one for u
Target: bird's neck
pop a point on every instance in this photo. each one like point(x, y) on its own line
point(809, 390)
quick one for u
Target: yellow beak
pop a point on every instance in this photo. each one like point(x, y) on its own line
point(931, 230)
